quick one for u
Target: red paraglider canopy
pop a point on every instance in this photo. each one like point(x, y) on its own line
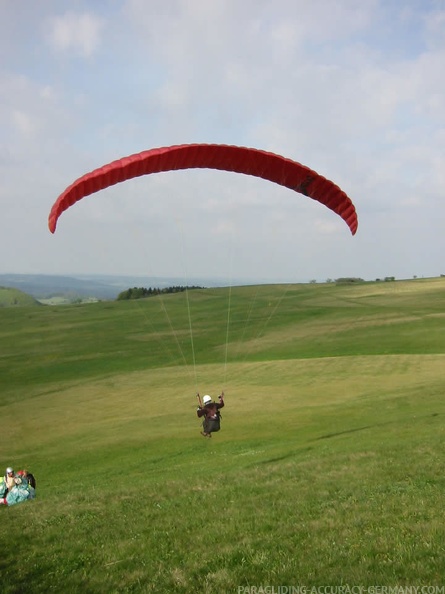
point(249, 161)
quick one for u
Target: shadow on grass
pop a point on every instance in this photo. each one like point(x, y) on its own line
point(329, 435)
point(356, 429)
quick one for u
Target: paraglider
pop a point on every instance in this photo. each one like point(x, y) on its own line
point(248, 161)
point(236, 159)
point(211, 412)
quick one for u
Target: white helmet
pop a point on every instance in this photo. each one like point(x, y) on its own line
point(9, 470)
point(207, 399)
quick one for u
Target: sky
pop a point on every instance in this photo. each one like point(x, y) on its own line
point(353, 89)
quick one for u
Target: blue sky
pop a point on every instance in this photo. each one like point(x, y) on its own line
point(353, 89)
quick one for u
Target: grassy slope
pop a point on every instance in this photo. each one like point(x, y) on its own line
point(328, 470)
point(13, 297)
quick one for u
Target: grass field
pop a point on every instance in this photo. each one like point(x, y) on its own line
point(328, 470)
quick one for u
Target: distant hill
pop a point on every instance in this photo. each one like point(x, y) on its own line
point(10, 297)
point(42, 286)
point(102, 287)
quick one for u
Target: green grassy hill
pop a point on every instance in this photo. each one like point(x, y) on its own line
point(13, 297)
point(328, 468)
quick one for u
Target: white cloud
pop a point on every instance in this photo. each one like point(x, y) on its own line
point(79, 33)
point(23, 122)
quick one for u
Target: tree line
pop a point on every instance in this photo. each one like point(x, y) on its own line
point(142, 292)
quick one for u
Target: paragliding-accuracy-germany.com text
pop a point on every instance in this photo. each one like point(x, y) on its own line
point(341, 589)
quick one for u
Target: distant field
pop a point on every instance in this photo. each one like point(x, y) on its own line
point(66, 301)
point(328, 469)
